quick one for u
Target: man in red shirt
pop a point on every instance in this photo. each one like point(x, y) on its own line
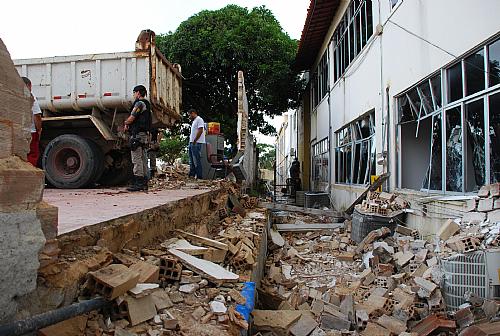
point(36, 127)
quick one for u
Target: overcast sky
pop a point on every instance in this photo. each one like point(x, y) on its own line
point(57, 27)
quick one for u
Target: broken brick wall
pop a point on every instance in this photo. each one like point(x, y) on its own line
point(21, 188)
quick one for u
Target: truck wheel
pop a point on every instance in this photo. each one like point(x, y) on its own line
point(98, 161)
point(69, 162)
point(120, 171)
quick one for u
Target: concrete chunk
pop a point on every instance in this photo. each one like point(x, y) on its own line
point(304, 326)
point(485, 205)
point(148, 273)
point(494, 216)
point(392, 324)
point(448, 229)
point(474, 217)
point(277, 321)
point(334, 322)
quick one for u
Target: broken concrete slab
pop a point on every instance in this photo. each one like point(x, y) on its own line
point(161, 299)
point(485, 205)
point(304, 326)
point(71, 327)
point(142, 289)
point(139, 309)
point(373, 329)
point(278, 321)
point(206, 268)
point(184, 246)
point(148, 273)
point(334, 322)
point(390, 323)
point(276, 238)
point(494, 216)
point(473, 217)
point(448, 229)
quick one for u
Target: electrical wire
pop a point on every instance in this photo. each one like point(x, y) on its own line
point(442, 49)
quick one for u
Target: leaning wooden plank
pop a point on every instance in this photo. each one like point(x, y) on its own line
point(202, 240)
point(373, 187)
point(292, 208)
point(205, 268)
point(308, 226)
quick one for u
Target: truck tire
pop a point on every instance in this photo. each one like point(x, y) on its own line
point(120, 171)
point(98, 163)
point(69, 162)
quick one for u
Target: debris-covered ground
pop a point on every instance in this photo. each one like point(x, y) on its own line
point(321, 282)
point(321, 276)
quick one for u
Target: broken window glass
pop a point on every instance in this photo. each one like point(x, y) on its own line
point(424, 93)
point(434, 173)
point(415, 103)
point(494, 131)
point(474, 72)
point(475, 158)
point(454, 149)
point(405, 113)
point(355, 151)
point(494, 63)
point(436, 91)
point(455, 90)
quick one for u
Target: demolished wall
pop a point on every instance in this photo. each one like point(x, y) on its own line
point(21, 187)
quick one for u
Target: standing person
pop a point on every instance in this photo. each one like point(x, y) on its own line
point(139, 124)
point(36, 127)
point(196, 139)
point(154, 147)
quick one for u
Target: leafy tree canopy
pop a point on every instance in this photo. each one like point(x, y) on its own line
point(212, 46)
point(267, 156)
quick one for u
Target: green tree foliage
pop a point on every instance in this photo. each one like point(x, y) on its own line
point(212, 46)
point(173, 147)
point(267, 156)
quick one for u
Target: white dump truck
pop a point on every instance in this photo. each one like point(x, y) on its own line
point(85, 100)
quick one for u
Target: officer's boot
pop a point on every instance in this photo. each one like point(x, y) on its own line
point(137, 184)
point(145, 183)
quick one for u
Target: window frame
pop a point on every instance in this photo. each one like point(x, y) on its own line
point(356, 138)
point(447, 105)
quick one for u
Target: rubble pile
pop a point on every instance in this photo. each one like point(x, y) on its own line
point(172, 177)
point(187, 285)
point(321, 282)
point(382, 203)
point(478, 229)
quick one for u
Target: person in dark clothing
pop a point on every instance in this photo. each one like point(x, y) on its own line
point(138, 124)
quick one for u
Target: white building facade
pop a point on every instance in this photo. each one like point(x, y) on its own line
point(408, 87)
point(286, 146)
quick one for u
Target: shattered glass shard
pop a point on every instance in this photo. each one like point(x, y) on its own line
point(454, 179)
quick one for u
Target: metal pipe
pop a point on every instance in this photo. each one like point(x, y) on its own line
point(18, 328)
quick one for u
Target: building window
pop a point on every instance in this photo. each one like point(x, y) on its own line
point(320, 174)
point(355, 151)
point(456, 142)
point(351, 35)
point(320, 80)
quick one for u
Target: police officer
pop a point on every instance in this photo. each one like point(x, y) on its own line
point(139, 124)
